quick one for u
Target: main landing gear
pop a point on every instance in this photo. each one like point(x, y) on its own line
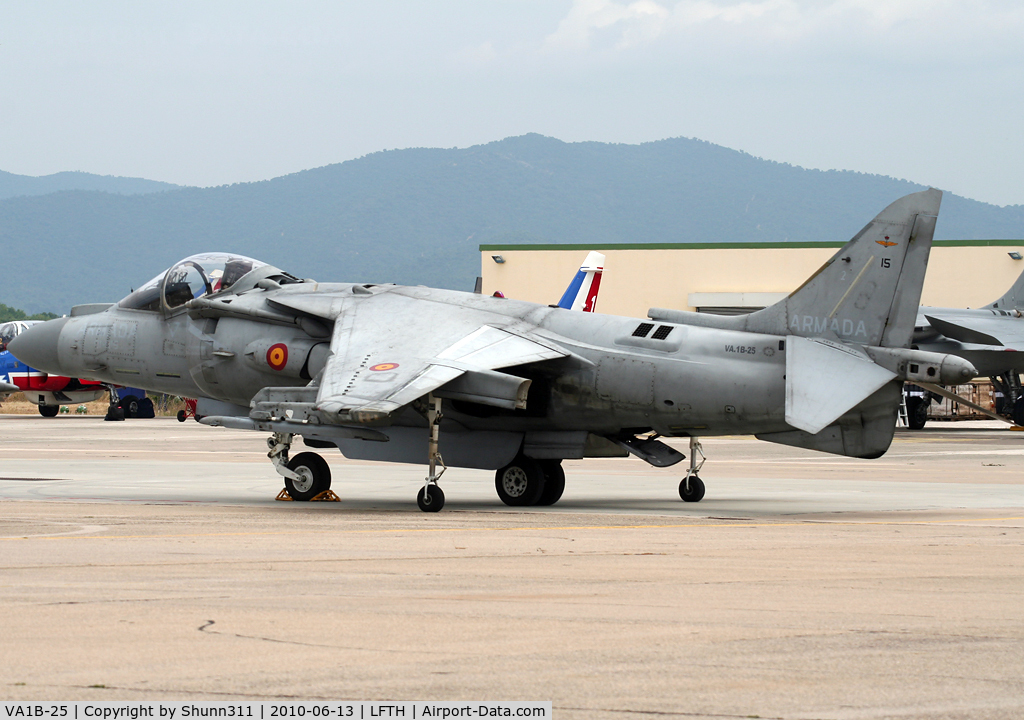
point(691, 489)
point(526, 481)
point(306, 475)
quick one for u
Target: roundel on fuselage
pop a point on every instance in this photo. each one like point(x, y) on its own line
point(277, 356)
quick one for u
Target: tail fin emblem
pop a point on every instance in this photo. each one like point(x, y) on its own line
point(886, 243)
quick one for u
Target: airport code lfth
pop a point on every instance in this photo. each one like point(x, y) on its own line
point(407, 710)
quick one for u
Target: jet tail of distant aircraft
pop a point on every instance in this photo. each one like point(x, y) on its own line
point(582, 291)
point(1013, 299)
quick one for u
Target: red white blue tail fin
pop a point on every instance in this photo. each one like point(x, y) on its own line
point(582, 291)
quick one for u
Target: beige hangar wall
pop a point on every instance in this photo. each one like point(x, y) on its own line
point(961, 273)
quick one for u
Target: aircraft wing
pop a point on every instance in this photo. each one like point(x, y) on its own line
point(981, 329)
point(7, 388)
point(391, 349)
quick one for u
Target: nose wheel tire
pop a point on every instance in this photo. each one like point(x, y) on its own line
point(49, 410)
point(432, 501)
point(314, 476)
point(520, 483)
point(695, 492)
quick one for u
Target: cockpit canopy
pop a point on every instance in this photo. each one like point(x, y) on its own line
point(11, 330)
point(201, 275)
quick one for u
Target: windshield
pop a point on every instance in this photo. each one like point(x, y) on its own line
point(146, 297)
point(193, 277)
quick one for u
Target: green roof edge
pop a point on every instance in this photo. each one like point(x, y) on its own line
point(725, 245)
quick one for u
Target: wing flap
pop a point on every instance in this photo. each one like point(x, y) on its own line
point(825, 379)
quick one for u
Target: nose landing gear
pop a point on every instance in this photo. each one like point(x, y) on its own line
point(306, 475)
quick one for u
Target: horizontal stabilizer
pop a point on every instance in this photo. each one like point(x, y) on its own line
point(824, 379)
point(961, 332)
point(6, 388)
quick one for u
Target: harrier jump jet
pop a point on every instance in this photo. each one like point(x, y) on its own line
point(990, 337)
point(411, 374)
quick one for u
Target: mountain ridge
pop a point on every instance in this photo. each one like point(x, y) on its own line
point(418, 216)
point(12, 185)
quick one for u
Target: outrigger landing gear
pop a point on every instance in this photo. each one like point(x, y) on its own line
point(306, 475)
point(691, 489)
point(431, 497)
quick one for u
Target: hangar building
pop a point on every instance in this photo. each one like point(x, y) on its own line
point(731, 277)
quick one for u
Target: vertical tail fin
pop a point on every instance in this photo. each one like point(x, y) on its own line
point(582, 291)
point(869, 292)
point(1013, 299)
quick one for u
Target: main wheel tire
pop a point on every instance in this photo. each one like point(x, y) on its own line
point(1018, 412)
point(130, 405)
point(432, 501)
point(554, 482)
point(696, 491)
point(114, 413)
point(520, 483)
point(182, 417)
point(315, 476)
point(917, 413)
point(146, 409)
point(49, 410)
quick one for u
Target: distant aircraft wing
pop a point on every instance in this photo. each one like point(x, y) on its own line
point(981, 329)
point(391, 349)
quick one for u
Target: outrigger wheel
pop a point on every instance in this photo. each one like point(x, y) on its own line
point(314, 474)
point(694, 492)
point(432, 501)
point(691, 489)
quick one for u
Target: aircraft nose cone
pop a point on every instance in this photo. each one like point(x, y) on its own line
point(37, 346)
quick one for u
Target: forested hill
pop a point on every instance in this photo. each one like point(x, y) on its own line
point(417, 216)
point(12, 185)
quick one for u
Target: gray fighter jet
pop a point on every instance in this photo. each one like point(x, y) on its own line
point(408, 374)
point(990, 337)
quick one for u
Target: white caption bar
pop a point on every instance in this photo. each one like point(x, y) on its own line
point(287, 710)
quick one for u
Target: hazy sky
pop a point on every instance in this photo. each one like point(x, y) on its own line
point(221, 91)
